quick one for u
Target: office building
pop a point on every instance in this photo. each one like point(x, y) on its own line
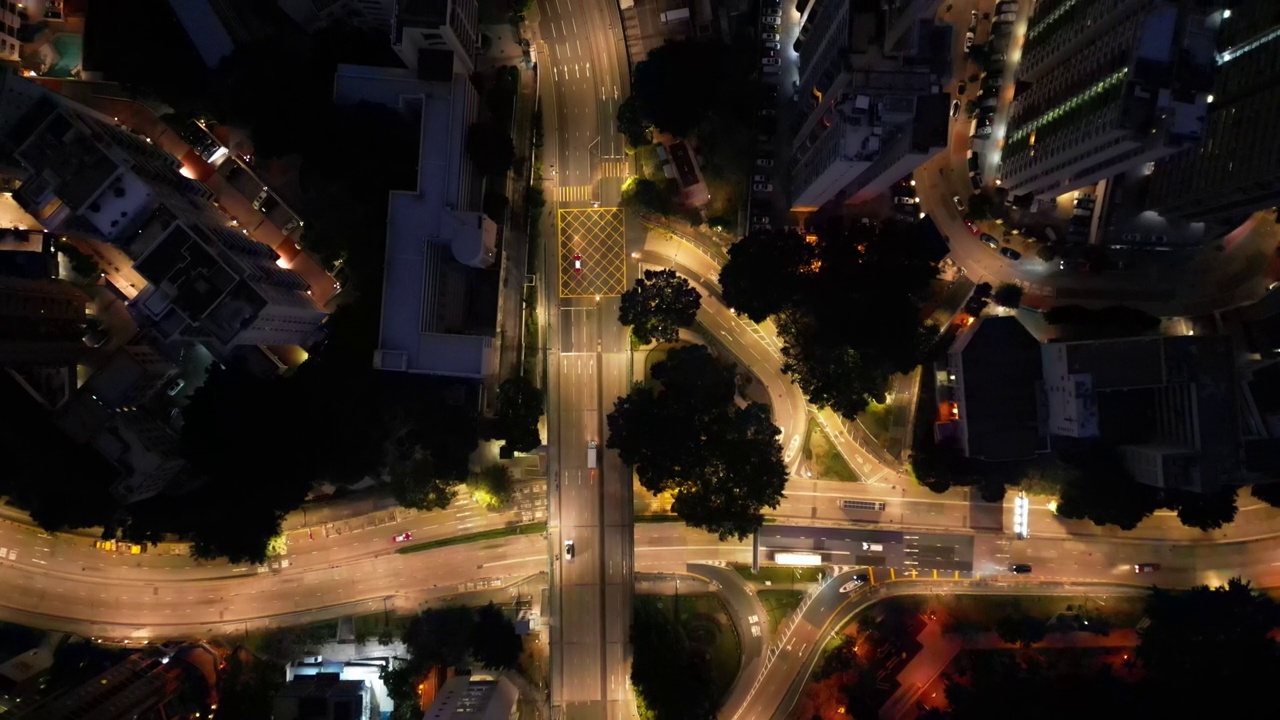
point(441, 288)
point(1109, 86)
point(1169, 406)
point(41, 322)
point(1235, 170)
point(129, 377)
point(154, 684)
point(83, 176)
point(450, 25)
point(474, 697)
point(873, 117)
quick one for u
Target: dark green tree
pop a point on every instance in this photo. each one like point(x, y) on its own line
point(765, 272)
point(1268, 493)
point(440, 636)
point(494, 642)
point(414, 485)
point(1104, 491)
point(491, 487)
point(723, 463)
point(490, 148)
point(520, 407)
point(1008, 295)
point(1021, 630)
point(654, 196)
point(659, 305)
point(1204, 511)
point(671, 682)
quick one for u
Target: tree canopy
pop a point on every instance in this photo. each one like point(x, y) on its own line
point(679, 85)
point(1008, 295)
point(659, 305)
point(520, 407)
point(491, 487)
point(723, 463)
point(490, 148)
point(847, 306)
point(672, 682)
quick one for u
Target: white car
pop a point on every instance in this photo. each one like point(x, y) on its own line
point(771, 45)
point(968, 42)
point(771, 19)
point(760, 178)
point(764, 162)
point(770, 36)
point(973, 20)
point(770, 61)
point(905, 200)
point(762, 187)
point(959, 203)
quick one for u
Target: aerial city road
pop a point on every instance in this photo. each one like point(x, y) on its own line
point(603, 355)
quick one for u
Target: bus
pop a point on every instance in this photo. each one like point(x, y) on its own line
point(797, 559)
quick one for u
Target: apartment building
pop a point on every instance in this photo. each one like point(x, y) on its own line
point(451, 25)
point(82, 175)
point(872, 118)
point(41, 322)
point(129, 377)
point(1235, 170)
point(313, 14)
point(10, 21)
point(475, 697)
point(1110, 85)
point(441, 284)
point(326, 695)
point(900, 20)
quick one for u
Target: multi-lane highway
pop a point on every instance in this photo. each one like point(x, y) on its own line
point(583, 77)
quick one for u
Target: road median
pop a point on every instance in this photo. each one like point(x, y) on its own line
point(495, 534)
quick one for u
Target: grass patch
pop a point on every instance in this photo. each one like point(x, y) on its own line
point(707, 625)
point(980, 612)
point(495, 534)
point(877, 419)
point(531, 338)
point(827, 463)
point(777, 575)
point(779, 604)
point(657, 518)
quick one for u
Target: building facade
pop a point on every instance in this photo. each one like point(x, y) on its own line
point(451, 25)
point(1235, 170)
point(41, 322)
point(1108, 86)
point(872, 117)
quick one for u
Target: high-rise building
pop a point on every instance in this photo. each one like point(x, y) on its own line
point(84, 176)
point(451, 25)
point(873, 117)
point(312, 14)
point(41, 322)
point(10, 21)
point(1105, 86)
point(326, 696)
point(1235, 170)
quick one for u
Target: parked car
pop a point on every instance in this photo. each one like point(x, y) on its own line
point(1132, 237)
point(265, 201)
point(770, 61)
point(968, 42)
point(761, 220)
point(973, 20)
point(770, 36)
point(762, 187)
point(760, 178)
point(990, 241)
point(961, 88)
point(982, 131)
point(1011, 253)
point(955, 109)
point(176, 386)
point(975, 181)
point(959, 203)
point(771, 45)
point(904, 200)
point(771, 19)
point(764, 162)
point(1006, 17)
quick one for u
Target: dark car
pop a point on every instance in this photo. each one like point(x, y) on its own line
point(990, 241)
point(1020, 569)
point(1011, 253)
point(1146, 567)
point(862, 578)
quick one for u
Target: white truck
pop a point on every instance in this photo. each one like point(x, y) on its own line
point(591, 455)
point(671, 16)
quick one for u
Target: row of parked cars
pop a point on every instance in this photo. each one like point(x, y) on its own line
point(766, 119)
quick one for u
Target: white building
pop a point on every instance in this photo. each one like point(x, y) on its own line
point(441, 287)
point(475, 697)
point(1110, 86)
point(10, 21)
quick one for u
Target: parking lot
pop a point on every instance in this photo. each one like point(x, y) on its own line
point(592, 252)
point(776, 30)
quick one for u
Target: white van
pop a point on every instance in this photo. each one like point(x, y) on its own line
point(873, 547)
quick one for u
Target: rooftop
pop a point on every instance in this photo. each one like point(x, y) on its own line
point(998, 363)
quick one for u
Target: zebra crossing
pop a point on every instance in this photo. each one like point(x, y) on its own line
point(615, 167)
point(575, 193)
